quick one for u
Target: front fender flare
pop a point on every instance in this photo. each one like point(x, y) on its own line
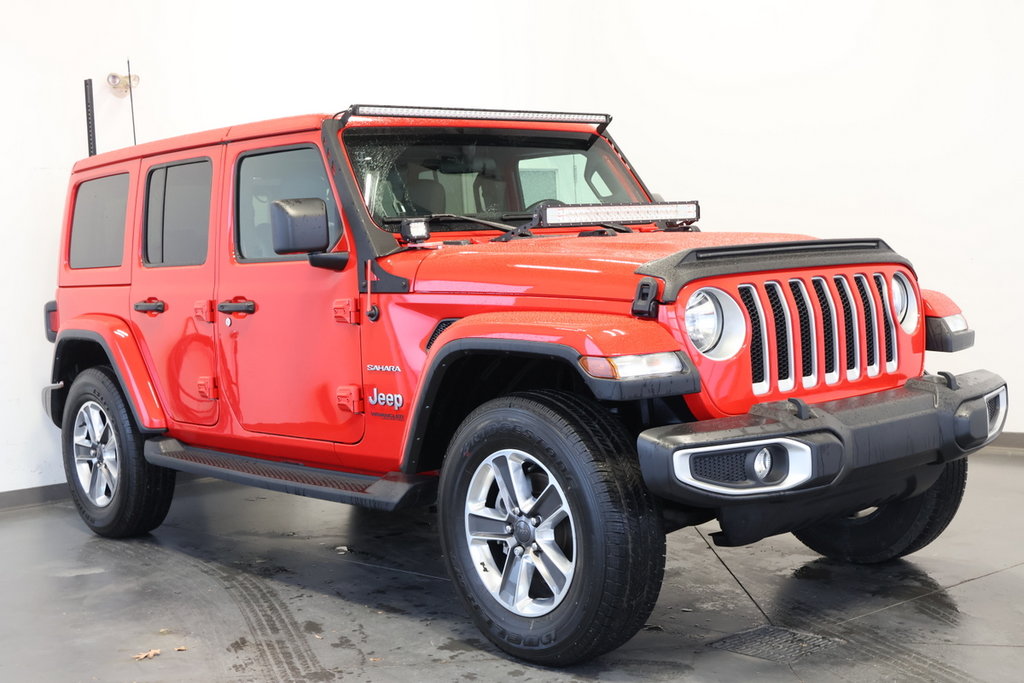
point(562, 336)
point(568, 336)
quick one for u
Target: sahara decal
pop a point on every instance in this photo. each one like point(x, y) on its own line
point(383, 368)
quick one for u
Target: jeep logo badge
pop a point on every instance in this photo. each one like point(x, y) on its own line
point(395, 401)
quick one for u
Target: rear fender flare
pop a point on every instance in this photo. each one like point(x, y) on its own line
point(114, 336)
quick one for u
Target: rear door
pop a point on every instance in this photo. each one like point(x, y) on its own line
point(172, 286)
point(291, 365)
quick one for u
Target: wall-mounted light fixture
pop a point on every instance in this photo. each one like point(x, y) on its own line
point(119, 83)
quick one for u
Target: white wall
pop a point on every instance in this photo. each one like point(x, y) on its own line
point(892, 119)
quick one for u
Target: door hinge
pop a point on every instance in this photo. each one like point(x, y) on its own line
point(208, 388)
point(346, 310)
point(350, 398)
point(203, 310)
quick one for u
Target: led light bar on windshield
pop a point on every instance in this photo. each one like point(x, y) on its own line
point(593, 214)
point(497, 114)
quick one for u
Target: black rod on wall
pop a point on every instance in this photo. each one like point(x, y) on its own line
point(131, 99)
point(90, 117)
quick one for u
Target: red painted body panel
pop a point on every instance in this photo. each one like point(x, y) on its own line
point(938, 305)
point(259, 129)
point(564, 265)
point(124, 350)
point(592, 334)
point(398, 342)
point(178, 344)
point(282, 366)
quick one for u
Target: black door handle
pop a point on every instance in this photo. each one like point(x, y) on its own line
point(237, 307)
point(150, 306)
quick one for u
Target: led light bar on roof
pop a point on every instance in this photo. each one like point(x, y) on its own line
point(592, 214)
point(497, 114)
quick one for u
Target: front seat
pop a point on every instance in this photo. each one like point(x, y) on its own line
point(427, 195)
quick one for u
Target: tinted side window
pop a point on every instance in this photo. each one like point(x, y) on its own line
point(264, 178)
point(97, 227)
point(178, 214)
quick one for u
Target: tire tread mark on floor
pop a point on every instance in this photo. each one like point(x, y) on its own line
point(173, 571)
point(281, 646)
point(281, 651)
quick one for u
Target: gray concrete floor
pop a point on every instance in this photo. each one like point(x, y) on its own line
point(260, 586)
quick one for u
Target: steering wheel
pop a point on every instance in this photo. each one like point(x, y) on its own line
point(548, 202)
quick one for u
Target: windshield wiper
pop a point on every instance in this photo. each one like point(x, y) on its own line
point(451, 218)
point(617, 227)
point(511, 231)
point(517, 216)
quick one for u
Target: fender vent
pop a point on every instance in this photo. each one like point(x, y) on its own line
point(441, 327)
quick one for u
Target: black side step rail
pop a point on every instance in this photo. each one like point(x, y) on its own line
point(393, 491)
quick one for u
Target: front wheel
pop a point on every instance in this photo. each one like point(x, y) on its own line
point(549, 534)
point(894, 529)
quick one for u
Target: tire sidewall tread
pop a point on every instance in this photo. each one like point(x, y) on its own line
point(144, 491)
point(897, 529)
point(620, 554)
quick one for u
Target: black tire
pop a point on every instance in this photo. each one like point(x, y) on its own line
point(894, 529)
point(580, 457)
point(117, 493)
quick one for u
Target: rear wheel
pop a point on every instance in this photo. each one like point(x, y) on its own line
point(117, 493)
point(894, 529)
point(550, 536)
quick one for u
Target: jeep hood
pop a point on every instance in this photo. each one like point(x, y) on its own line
point(565, 265)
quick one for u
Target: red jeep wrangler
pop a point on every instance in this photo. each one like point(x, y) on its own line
point(394, 306)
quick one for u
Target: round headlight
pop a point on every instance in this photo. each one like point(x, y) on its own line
point(904, 303)
point(704, 320)
point(900, 298)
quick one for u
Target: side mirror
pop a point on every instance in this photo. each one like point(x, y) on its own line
point(299, 226)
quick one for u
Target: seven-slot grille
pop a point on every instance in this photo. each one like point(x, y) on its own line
point(808, 329)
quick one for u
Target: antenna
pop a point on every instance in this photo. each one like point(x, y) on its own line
point(90, 118)
point(131, 100)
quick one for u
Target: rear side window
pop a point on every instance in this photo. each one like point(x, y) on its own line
point(97, 227)
point(178, 214)
point(265, 177)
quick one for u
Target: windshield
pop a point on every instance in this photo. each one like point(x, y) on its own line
point(491, 174)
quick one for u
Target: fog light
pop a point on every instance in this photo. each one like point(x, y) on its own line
point(415, 230)
point(762, 464)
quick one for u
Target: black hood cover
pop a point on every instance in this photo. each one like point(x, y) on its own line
point(684, 267)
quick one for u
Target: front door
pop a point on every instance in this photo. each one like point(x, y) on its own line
point(173, 283)
point(289, 353)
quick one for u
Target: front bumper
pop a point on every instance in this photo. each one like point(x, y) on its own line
point(828, 459)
